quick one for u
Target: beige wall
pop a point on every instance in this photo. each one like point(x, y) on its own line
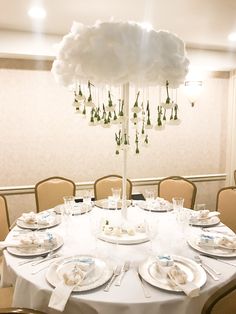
point(40, 136)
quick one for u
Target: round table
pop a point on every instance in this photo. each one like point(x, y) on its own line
point(34, 291)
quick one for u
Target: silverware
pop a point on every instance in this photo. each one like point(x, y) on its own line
point(49, 256)
point(116, 273)
point(217, 231)
point(39, 270)
point(124, 270)
point(30, 260)
point(218, 259)
point(213, 276)
point(145, 291)
point(204, 263)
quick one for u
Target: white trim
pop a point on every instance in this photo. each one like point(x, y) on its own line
point(29, 189)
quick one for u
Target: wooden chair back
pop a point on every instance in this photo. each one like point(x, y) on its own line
point(103, 186)
point(49, 192)
point(4, 218)
point(19, 310)
point(176, 186)
point(222, 301)
point(226, 205)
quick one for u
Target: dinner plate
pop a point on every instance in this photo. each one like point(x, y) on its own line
point(78, 209)
point(212, 221)
point(214, 251)
point(107, 204)
point(53, 220)
point(101, 274)
point(125, 238)
point(156, 208)
point(36, 251)
point(194, 272)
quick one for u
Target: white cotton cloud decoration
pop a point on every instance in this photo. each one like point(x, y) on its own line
point(120, 52)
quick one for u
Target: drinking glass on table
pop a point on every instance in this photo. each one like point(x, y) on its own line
point(116, 193)
point(150, 197)
point(68, 206)
point(87, 197)
point(178, 205)
point(95, 227)
point(151, 229)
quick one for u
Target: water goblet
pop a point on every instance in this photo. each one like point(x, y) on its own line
point(151, 228)
point(87, 197)
point(68, 206)
point(95, 227)
point(116, 192)
point(150, 197)
point(178, 203)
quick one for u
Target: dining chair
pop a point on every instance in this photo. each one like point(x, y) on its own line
point(5, 293)
point(226, 205)
point(19, 310)
point(176, 186)
point(4, 218)
point(103, 186)
point(222, 301)
point(50, 192)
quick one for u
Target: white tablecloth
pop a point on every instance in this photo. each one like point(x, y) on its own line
point(34, 291)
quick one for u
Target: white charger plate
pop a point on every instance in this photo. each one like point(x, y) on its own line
point(161, 208)
point(138, 237)
point(53, 221)
point(106, 204)
point(194, 272)
point(36, 251)
point(78, 209)
point(101, 274)
point(214, 251)
point(212, 221)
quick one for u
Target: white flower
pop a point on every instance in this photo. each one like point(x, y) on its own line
point(159, 127)
point(136, 109)
point(89, 104)
point(174, 122)
point(169, 105)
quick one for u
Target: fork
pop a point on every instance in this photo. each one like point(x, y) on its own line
point(124, 270)
point(116, 273)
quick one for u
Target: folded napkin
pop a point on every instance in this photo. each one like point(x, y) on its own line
point(215, 241)
point(40, 219)
point(31, 240)
point(70, 280)
point(177, 277)
point(202, 215)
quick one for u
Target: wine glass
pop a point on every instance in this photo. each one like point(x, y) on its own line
point(150, 197)
point(151, 228)
point(95, 227)
point(178, 203)
point(68, 206)
point(116, 192)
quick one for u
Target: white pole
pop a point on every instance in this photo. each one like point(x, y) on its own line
point(125, 130)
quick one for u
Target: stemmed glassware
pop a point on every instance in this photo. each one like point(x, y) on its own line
point(68, 206)
point(116, 193)
point(150, 197)
point(95, 227)
point(151, 228)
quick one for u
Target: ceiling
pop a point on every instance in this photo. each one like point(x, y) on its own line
point(200, 23)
